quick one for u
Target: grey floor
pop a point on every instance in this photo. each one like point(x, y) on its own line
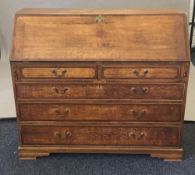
point(91, 164)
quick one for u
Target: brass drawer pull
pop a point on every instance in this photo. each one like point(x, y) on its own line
point(59, 90)
point(136, 135)
point(140, 90)
point(67, 134)
point(138, 114)
point(139, 73)
point(58, 73)
point(58, 135)
point(63, 135)
point(61, 112)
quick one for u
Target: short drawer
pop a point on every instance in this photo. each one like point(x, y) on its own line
point(95, 91)
point(100, 135)
point(101, 112)
point(56, 71)
point(142, 72)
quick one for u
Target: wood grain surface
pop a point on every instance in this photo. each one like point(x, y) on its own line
point(100, 112)
point(90, 135)
point(118, 37)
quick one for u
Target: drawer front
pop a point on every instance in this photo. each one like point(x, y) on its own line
point(58, 72)
point(142, 72)
point(100, 135)
point(101, 112)
point(90, 91)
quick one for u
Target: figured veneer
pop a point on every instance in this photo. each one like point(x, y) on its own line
point(146, 72)
point(100, 135)
point(55, 72)
point(100, 112)
point(101, 91)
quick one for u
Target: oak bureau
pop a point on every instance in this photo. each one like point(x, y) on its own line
point(100, 81)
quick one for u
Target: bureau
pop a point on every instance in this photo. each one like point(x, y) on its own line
point(100, 81)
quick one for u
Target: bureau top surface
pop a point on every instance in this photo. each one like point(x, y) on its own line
point(99, 35)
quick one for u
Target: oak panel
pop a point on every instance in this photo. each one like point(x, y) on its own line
point(91, 38)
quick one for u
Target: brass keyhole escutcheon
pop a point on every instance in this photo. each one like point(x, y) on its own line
point(99, 18)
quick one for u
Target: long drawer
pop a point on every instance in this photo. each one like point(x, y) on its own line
point(101, 112)
point(100, 135)
point(101, 91)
